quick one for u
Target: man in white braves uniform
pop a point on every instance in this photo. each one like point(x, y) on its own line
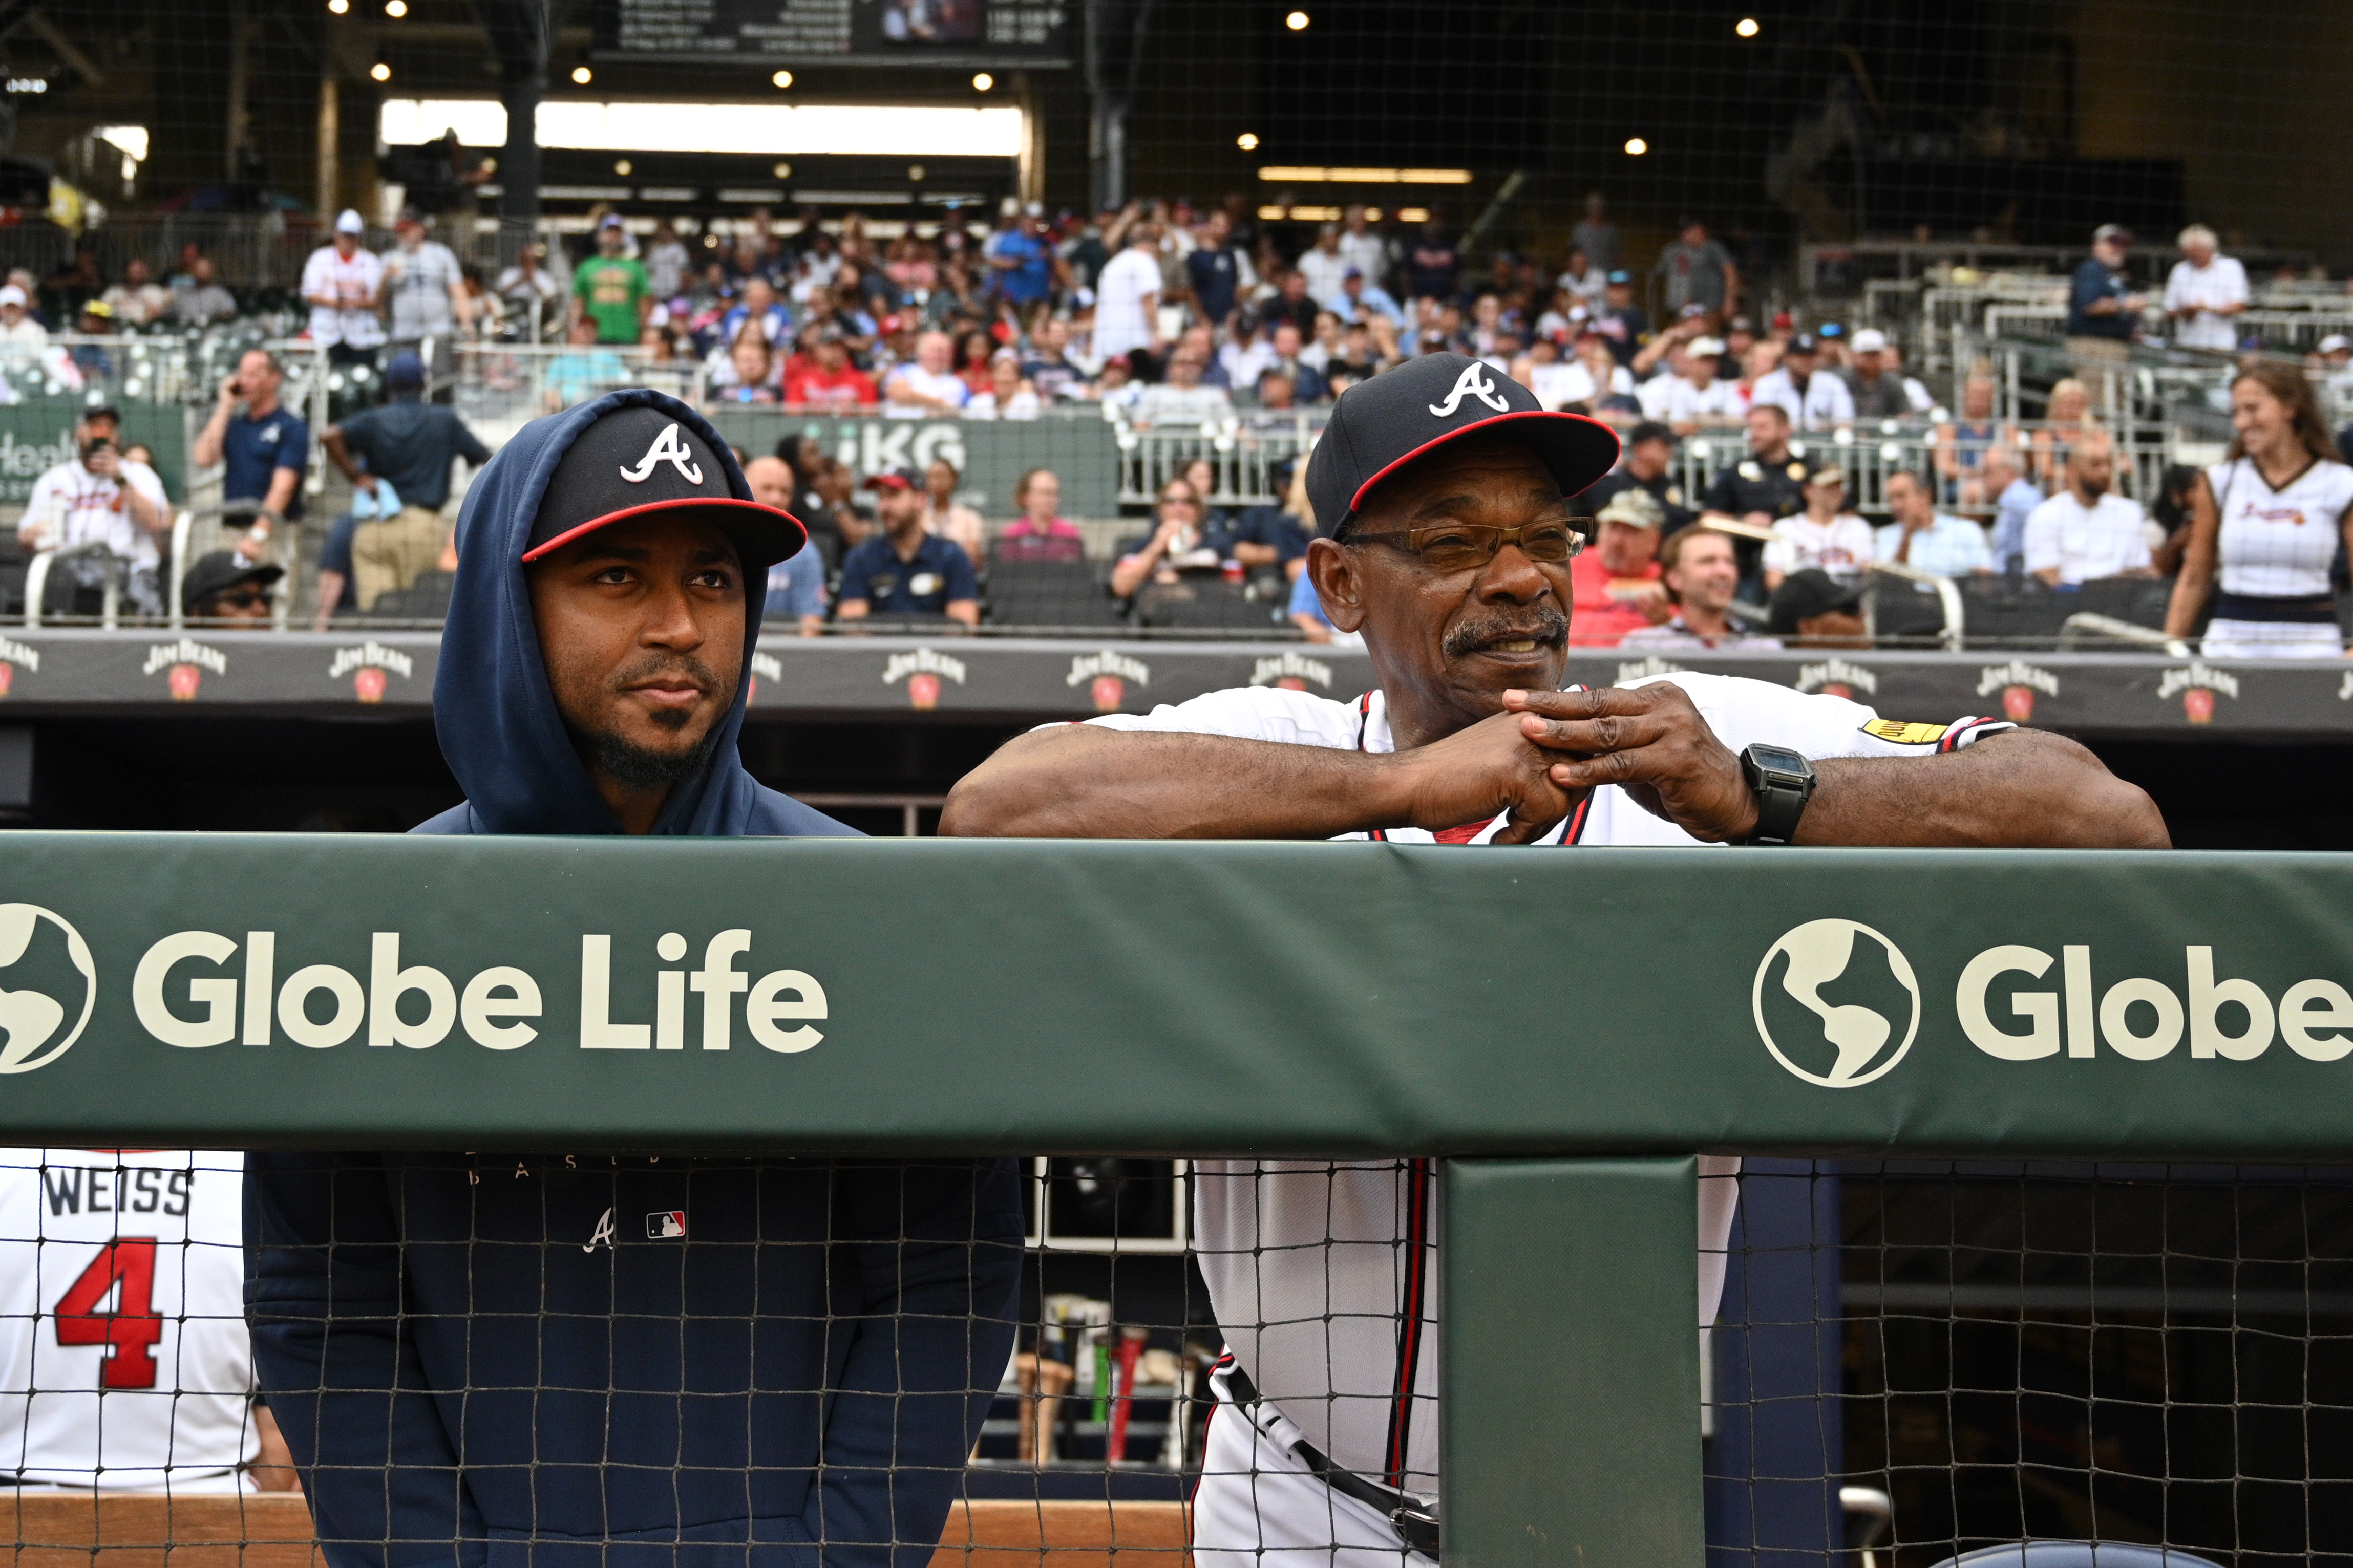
point(1444, 485)
point(124, 1357)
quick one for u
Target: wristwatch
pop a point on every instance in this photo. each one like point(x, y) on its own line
point(1783, 782)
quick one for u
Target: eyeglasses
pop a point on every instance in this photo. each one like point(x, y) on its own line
point(1179, 500)
point(1462, 546)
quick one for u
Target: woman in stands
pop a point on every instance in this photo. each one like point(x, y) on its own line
point(2066, 415)
point(973, 352)
point(1041, 532)
point(2264, 526)
point(1962, 444)
point(945, 516)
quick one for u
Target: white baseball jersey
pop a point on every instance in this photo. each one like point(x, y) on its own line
point(347, 280)
point(2277, 543)
point(73, 507)
point(123, 1356)
point(1323, 1272)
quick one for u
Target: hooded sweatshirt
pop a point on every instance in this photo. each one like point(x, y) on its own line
point(526, 1360)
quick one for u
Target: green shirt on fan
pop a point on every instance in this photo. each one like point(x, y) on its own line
point(610, 288)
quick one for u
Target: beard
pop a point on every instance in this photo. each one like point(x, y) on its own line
point(616, 757)
point(1545, 623)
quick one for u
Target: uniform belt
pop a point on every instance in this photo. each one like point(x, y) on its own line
point(1415, 1522)
point(2266, 607)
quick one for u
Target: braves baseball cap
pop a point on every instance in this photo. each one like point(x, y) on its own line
point(2115, 231)
point(1379, 425)
point(637, 461)
point(348, 221)
point(1804, 343)
point(892, 479)
point(1870, 341)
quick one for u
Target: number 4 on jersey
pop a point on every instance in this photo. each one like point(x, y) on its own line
point(133, 1329)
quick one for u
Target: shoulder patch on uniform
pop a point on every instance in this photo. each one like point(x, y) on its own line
point(1906, 734)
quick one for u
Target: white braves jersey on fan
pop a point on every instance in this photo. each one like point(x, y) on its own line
point(123, 1356)
point(2277, 543)
point(1323, 1272)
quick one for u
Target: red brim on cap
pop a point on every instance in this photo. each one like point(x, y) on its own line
point(1571, 444)
point(758, 531)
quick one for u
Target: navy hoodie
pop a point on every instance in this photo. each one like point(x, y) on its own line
point(590, 1362)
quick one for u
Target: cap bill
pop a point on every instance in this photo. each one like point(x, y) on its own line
point(762, 535)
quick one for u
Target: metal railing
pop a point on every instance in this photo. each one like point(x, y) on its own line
point(44, 565)
point(1869, 454)
point(1243, 454)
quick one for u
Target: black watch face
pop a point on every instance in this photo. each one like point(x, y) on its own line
point(1777, 760)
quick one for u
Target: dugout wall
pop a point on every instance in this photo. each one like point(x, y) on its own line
point(1563, 1029)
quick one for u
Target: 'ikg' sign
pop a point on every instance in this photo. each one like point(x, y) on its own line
point(195, 989)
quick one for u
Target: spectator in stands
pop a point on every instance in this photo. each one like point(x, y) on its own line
point(823, 378)
point(1020, 261)
point(1361, 246)
point(2267, 523)
point(1702, 574)
point(1049, 368)
point(408, 444)
point(1362, 299)
point(426, 292)
point(1921, 536)
point(1182, 399)
point(1827, 536)
point(587, 370)
point(1814, 609)
point(2085, 532)
point(1180, 541)
point(529, 282)
point(748, 377)
point(2103, 313)
point(91, 362)
point(1696, 271)
point(1217, 271)
point(1432, 265)
point(1596, 237)
point(974, 351)
point(2013, 500)
point(610, 288)
point(263, 445)
point(1245, 355)
point(97, 499)
point(795, 585)
point(904, 573)
point(344, 285)
point(223, 588)
point(1961, 445)
point(23, 340)
point(927, 387)
point(1306, 380)
point(1614, 584)
point(949, 518)
point(1117, 390)
point(758, 310)
point(667, 260)
point(2203, 292)
point(1695, 399)
point(197, 300)
point(2171, 516)
point(1916, 392)
point(1814, 398)
point(1007, 396)
point(1767, 486)
point(1877, 392)
point(1582, 280)
point(2066, 415)
point(1649, 467)
point(1322, 267)
point(1127, 298)
point(154, 1393)
point(1041, 532)
point(137, 299)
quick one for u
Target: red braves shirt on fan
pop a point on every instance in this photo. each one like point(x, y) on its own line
point(123, 1356)
point(1607, 605)
point(1320, 1269)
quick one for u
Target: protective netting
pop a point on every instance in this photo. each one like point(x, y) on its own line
point(652, 1359)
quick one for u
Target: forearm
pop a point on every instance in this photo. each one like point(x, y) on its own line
point(2190, 591)
point(2026, 789)
point(144, 513)
point(206, 450)
point(340, 455)
point(281, 491)
point(1086, 782)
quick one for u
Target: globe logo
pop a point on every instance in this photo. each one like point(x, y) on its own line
point(32, 1019)
point(1838, 1044)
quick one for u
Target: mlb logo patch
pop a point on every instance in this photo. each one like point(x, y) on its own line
point(669, 1225)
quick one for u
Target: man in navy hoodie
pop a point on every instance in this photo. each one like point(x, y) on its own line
point(479, 1360)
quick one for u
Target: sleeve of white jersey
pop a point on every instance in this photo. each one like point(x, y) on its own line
point(1247, 713)
point(1744, 712)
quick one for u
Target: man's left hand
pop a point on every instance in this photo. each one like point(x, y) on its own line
point(1650, 742)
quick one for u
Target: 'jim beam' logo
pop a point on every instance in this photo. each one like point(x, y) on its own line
point(2198, 682)
point(1291, 672)
point(922, 670)
point(1107, 675)
point(184, 663)
point(369, 665)
point(12, 654)
point(2018, 682)
point(1836, 677)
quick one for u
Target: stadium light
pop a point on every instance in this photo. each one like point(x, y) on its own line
point(982, 81)
point(1296, 21)
point(396, 9)
point(383, 73)
point(337, 7)
point(782, 78)
point(1636, 146)
point(1312, 175)
point(1746, 26)
point(623, 167)
point(1247, 141)
point(582, 76)
point(765, 130)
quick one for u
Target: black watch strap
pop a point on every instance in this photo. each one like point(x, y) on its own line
point(1783, 782)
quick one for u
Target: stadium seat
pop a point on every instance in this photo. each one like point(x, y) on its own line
point(1049, 593)
point(2076, 1554)
point(1202, 603)
point(1904, 611)
point(2011, 612)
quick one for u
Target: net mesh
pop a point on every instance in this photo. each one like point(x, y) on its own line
point(1911, 1359)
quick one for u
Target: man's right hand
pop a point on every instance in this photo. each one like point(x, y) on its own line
point(229, 392)
point(1475, 772)
point(106, 463)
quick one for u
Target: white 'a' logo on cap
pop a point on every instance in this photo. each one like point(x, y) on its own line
point(1473, 383)
point(667, 448)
